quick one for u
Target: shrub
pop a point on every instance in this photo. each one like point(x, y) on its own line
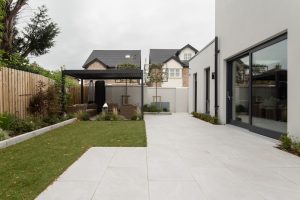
point(83, 116)
point(287, 144)
point(165, 109)
point(50, 120)
point(137, 115)
point(104, 116)
point(3, 135)
point(20, 126)
point(6, 121)
point(206, 117)
point(154, 108)
point(146, 108)
point(38, 103)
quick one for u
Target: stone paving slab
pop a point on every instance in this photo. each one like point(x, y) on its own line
point(185, 159)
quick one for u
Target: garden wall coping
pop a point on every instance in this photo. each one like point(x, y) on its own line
point(29, 135)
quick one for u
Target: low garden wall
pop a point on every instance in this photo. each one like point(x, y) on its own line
point(27, 136)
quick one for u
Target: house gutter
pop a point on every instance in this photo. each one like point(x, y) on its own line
point(217, 51)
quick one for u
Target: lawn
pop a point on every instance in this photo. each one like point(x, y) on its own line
point(26, 169)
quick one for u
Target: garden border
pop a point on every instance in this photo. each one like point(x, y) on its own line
point(157, 113)
point(20, 138)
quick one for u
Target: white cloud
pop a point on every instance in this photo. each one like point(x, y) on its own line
point(118, 24)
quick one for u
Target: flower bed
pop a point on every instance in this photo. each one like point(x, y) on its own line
point(206, 117)
point(11, 126)
point(26, 136)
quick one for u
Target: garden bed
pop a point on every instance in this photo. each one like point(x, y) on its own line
point(157, 113)
point(27, 136)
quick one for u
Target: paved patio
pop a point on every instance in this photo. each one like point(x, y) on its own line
point(185, 159)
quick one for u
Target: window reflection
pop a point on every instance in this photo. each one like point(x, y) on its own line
point(269, 87)
point(240, 97)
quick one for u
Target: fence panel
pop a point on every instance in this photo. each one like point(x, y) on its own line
point(16, 89)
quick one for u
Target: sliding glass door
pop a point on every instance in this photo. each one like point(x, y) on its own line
point(257, 88)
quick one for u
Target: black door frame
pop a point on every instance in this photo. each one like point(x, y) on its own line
point(195, 91)
point(229, 87)
point(207, 90)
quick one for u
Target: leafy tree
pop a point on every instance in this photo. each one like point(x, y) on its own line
point(12, 9)
point(2, 14)
point(38, 36)
point(127, 66)
point(156, 75)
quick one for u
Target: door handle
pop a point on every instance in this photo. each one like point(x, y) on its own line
point(228, 96)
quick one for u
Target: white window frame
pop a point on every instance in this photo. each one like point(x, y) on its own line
point(174, 73)
point(187, 56)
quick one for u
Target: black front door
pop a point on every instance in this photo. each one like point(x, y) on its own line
point(207, 90)
point(195, 92)
point(100, 97)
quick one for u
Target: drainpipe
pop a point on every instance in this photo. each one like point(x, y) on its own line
point(217, 51)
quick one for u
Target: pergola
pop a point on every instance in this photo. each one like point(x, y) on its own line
point(103, 75)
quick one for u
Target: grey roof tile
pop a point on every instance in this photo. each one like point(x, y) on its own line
point(112, 58)
point(159, 56)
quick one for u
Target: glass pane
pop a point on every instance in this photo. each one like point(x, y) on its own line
point(240, 90)
point(269, 87)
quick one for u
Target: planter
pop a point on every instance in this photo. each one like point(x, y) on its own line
point(157, 113)
point(27, 136)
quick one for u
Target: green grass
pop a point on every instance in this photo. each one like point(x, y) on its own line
point(26, 169)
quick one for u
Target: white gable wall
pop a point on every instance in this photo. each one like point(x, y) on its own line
point(173, 82)
point(185, 51)
point(198, 65)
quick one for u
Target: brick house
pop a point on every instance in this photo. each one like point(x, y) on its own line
point(175, 62)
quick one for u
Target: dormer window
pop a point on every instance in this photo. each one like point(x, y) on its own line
point(187, 56)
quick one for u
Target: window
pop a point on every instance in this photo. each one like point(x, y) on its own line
point(258, 95)
point(187, 56)
point(174, 73)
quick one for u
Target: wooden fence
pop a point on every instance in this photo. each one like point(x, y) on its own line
point(75, 95)
point(16, 89)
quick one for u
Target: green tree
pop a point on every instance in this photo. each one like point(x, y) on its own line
point(2, 15)
point(156, 75)
point(38, 36)
point(35, 39)
point(127, 66)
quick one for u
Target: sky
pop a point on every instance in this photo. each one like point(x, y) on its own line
point(88, 25)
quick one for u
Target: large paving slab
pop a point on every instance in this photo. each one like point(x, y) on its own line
point(185, 159)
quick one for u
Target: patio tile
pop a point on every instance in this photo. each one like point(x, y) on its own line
point(90, 167)
point(129, 157)
point(71, 190)
point(175, 190)
point(123, 183)
point(185, 159)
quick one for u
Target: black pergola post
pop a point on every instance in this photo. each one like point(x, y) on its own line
point(81, 91)
point(63, 102)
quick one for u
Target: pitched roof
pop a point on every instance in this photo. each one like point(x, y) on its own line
point(186, 46)
point(159, 56)
point(182, 63)
point(112, 58)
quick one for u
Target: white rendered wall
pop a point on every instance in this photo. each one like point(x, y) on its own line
point(173, 82)
point(198, 64)
point(241, 24)
point(178, 97)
